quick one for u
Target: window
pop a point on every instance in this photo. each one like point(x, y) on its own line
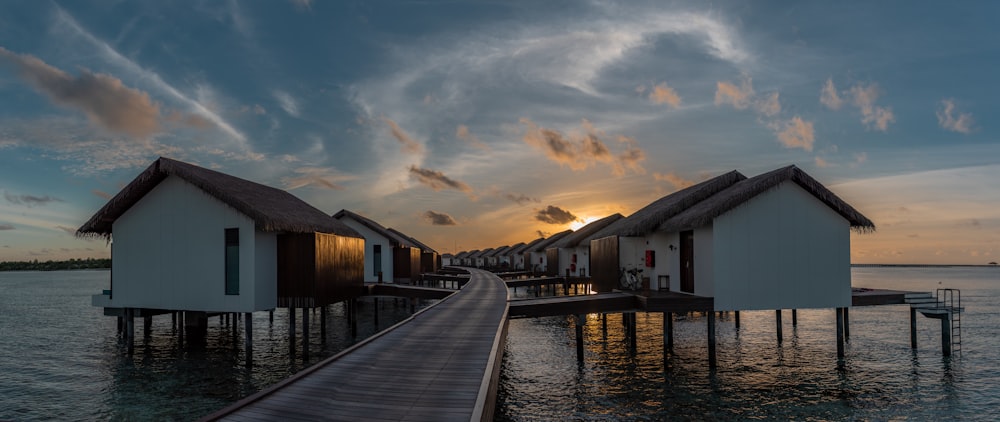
point(233, 261)
point(377, 259)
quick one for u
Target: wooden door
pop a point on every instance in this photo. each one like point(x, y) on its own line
point(687, 262)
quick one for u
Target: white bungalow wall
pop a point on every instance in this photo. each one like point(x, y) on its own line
point(664, 274)
point(169, 253)
point(782, 249)
point(373, 238)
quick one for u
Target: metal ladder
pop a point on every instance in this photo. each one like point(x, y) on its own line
point(951, 299)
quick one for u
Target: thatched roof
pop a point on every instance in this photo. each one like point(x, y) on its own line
point(497, 252)
point(649, 218)
point(525, 248)
point(543, 245)
point(481, 254)
point(705, 211)
point(466, 254)
point(574, 239)
point(395, 240)
point(271, 209)
point(420, 245)
point(513, 250)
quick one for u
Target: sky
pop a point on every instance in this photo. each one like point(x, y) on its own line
point(479, 124)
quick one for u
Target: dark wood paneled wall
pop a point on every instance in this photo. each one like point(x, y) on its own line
point(604, 271)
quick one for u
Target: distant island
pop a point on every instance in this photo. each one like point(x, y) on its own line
point(72, 264)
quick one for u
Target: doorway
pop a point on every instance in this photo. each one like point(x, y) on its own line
point(687, 261)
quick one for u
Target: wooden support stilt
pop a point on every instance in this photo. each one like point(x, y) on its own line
point(580, 320)
point(227, 318)
point(376, 312)
point(604, 326)
point(632, 340)
point(668, 331)
point(248, 337)
point(121, 325)
point(173, 320)
point(180, 328)
point(147, 325)
point(270, 316)
point(291, 329)
point(777, 320)
point(413, 305)
point(130, 330)
point(711, 340)
point(322, 323)
point(795, 317)
point(305, 332)
point(840, 333)
point(847, 324)
point(913, 328)
point(736, 314)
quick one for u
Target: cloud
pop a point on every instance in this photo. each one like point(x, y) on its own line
point(860, 157)
point(828, 96)
point(737, 96)
point(439, 219)
point(6, 227)
point(30, 200)
point(743, 96)
point(101, 194)
point(316, 176)
point(769, 105)
point(675, 180)
point(101, 97)
point(68, 230)
point(663, 94)
point(541, 233)
point(520, 199)
point(462, 132)
point(409, 145)
point(579, 151)
point(65, 21)
point(796, 133)
point(947, 119)
point(287, 102)
point(437, 180)
point(821, 163)
point(555, 215)
point(872, 116)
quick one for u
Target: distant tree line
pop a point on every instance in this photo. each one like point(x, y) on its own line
point(72, 264)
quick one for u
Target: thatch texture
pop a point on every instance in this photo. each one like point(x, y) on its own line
point(544, 244)
point(527, 247)
point(649, 218)
point(396, 240)
point(574, 239)
point(702, 213)
point(271, 209)
point(497, 252)
point(481, 254)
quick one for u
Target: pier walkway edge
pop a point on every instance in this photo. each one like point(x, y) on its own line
point(442, 363)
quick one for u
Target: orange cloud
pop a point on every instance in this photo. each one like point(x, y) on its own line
point(581, 151)
point(828, 96)
point(663, 94)
point(946, 118)
point(316, 176)
point(439, 219)
point(675, 180)
point(437, 180)
point(409, 145)
point(797, 133)
point(555, 215)
point(737, 96)
point(103, 98)
point(872, 116)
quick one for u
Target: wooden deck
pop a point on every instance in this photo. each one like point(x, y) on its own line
point(441, 364)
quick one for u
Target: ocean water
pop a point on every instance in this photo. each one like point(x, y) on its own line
point(881, 377)
point(60, 359)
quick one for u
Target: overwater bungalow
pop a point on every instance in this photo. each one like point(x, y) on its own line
point(535, 259)
point(479, 258)
point(493, 258)
point(186, 238)
point(507, 258)
point(780, 240)
point(570, 256)
point(430, 260)
point(389, 257)
point(517, 254)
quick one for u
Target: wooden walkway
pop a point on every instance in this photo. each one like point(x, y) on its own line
point(441, 364)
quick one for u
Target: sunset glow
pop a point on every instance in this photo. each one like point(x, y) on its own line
point(470, 125)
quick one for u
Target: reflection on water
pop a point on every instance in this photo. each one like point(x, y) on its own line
point(757, 378)
point(61, 359)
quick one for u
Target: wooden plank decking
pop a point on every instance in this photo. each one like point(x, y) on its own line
point(442, 364)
